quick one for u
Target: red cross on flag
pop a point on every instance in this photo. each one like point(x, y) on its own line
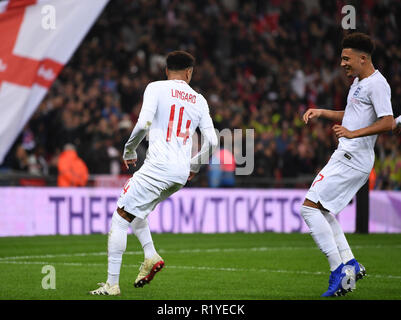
point(37, 38)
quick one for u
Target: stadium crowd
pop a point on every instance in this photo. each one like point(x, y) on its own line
point(260, 65)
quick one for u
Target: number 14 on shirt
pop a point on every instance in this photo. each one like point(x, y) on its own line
point(170, 125)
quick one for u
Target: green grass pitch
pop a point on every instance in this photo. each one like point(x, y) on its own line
point(259, 266)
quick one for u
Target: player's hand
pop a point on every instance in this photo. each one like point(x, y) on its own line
point(312, 113)
point(342, 132)
point(396, 128)
point(128, 162)
point(191, 175)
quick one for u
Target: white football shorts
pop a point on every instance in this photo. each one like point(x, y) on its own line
point(142, 193)
point(335, 185)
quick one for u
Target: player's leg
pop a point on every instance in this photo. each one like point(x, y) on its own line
point(339, 237)
point(117, 244)
point(140, 228)
point(343, 246)
point(323, 236)
point(139, 197)
point(321, 232)
point(332, 190)
point(153, 263)
point(329, 191)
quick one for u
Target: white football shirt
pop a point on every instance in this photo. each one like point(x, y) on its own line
point(178, 110)
point(368, 99)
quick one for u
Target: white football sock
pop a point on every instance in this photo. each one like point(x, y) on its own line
point(140, 228)
point(339, 237)
point(117, 243)
point(321, 232)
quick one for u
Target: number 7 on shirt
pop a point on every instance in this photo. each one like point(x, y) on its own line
point(170, 125)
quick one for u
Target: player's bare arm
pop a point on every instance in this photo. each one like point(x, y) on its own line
point(209, 144)
point(138, 134)
point(336, 116)
point(191, 175)
point(397, 125)
point(383, 124)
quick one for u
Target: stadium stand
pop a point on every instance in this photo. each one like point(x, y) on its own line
point(260, 65)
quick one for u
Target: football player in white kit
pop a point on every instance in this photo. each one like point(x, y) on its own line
point(171, 112)
point(368, 113)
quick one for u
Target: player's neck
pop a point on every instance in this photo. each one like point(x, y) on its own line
point(178, 79)
point(367, 72)
point(177, 76)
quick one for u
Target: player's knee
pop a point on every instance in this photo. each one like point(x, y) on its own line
point(125, 215)
point(308, 209)
point(311, 204)
point(304, 211)
point(139, 225)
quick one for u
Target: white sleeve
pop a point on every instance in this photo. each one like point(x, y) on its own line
point(381, 99)
point(205, 121)
point(209, 144)
point(150, 98)
point(148, 110)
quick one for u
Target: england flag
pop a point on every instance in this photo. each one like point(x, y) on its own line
point(37, 38)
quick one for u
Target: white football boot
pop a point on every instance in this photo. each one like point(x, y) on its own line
point(148, 270)
point(106, 290)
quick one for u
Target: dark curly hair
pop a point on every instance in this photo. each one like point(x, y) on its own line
point(179, 60)
point(359, 41)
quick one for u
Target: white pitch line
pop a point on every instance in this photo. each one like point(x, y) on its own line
point(213, 250)
point(216, 250)
point(200, 268)
point(74, 264)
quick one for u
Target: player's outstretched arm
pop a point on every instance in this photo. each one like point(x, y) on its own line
point(191, 175)
point(138, 133)
point(145, 119)
point(381, 125)
point(336, 116)
point(209, 144)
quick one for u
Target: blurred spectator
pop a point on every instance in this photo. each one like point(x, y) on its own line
point(222, 169)
point(21, 161)
point(72, 171)
point(372, 179)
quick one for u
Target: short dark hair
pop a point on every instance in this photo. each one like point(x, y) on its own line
point(359, 41)
point(179, 60)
